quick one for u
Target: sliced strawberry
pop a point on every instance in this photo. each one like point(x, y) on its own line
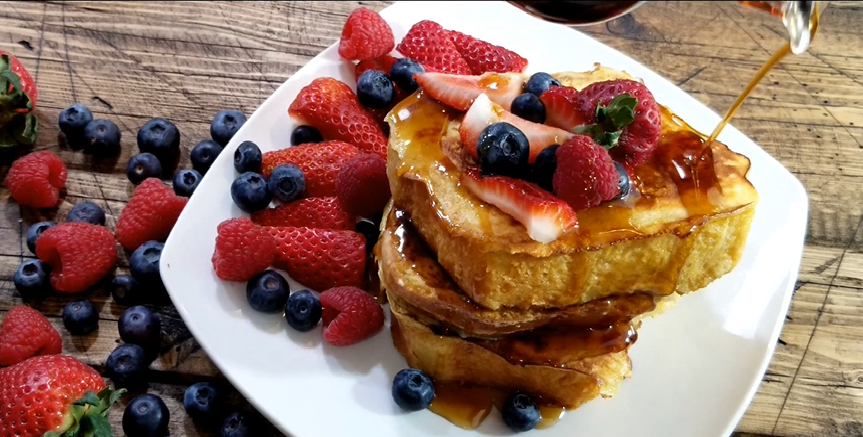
point(561, 109)
point(484, 112)
point(544, 216)
point(459, 92)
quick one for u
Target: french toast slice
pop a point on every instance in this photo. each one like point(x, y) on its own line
point(675, 235)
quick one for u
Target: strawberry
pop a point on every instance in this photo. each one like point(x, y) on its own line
point(362, 186)
point(544, 216)
point(365, 36)
point(54, 395)
point(484, 112)
point(626, 119)
point(319, 162)
point(483, 57)
point(459, 92)
point(331, 107)
point(18, 94)
point(349, 315)
point(316, 212)
point(585, 174)
point(381, 63)
point(24, 333)
point(320, 258)
point(428, 43)
point(561, 109)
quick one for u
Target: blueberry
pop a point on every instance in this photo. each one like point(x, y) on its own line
point(528, 107)
point(305, 135)
point(402, 73)
point(520, 412)
point(126, 365)
point(125, 290)
point(34, 231)
point(73, 120)
point(143, 166)
point(80, 317)
point(31, 279)
point(146, 416)
point(144, 265)
point(503, 150)
point(236, 425)
point(101, 138)
point(86, 212)
point(161, 138)
point(225, 124)
point(138, 325)
point(185, 182)
point(247, 157)
point(204, 154)
point(539, 82)
point(287, 183)
point(545, 166)
point(374, 89)
point(200, 400)
point(371, 231)
point(303, 311)
point(250, 192)
point(412, 390)
point(267, 292)
point(623, 181)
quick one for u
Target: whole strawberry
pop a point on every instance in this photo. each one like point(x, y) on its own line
point(483, 57)
point(362, 186)
point(331, 107)
point(18, 94)
point(429, 44)
point(365, 36)
point(54, 395)
point(314, 212)
point(24, 333)
point(321, 258)
point(626, 119)
point(319, 162)
point(585, 174)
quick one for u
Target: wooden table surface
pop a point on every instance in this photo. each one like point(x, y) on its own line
point(132, 61)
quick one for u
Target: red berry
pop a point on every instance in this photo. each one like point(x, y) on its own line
point(585, 175)
point(639, 138)
point(80, 254)
point(349, 315)
point(331, 107)
point(428, 43)
point(483, 57)
point(319, 162)
point(320, 258)
point(365, 36)
point(24, 333)
point(315, 212)
point(362, 186)
point(150, 214)
point(561, 108)
point(383, 63)
point(243, 249)
point(35, 180)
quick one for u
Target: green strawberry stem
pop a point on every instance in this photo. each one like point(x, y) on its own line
point(88, 416)
point(18, 125)
point(610, 120)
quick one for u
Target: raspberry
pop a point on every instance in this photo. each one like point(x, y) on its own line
point(349, 315)
point(35, 180)
point(427, 43)
point(331, 107)
point(80, 254)
point(320, 258)
point(362, 186)
point(150, 214)
point(320, 164)
point(316, 212)
point(483, 57)
point(24, 333)
point(585, 175)
point(243, 249)
point(365, 36)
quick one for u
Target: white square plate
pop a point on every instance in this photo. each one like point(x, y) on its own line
point(695, 368)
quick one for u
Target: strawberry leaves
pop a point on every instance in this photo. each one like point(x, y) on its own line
point(90, 415)
point(17, 123)
point(610, 120)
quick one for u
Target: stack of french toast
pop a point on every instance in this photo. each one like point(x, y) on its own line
point(476, 300)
